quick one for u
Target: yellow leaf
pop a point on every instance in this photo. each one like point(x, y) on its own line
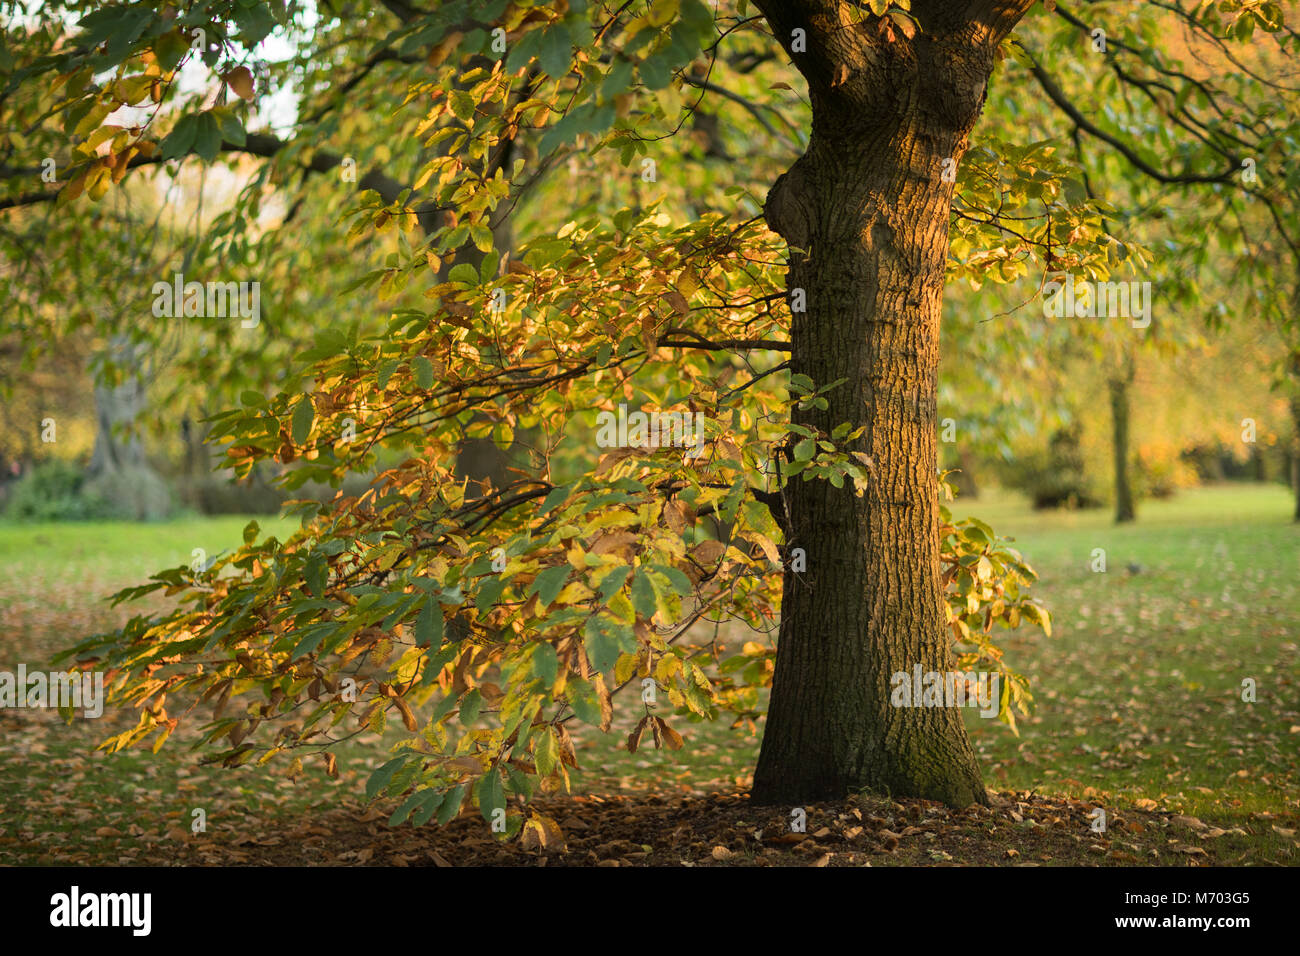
point(542, 833)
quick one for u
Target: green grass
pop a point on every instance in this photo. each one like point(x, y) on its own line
point(53, 551)
point(1137, 692)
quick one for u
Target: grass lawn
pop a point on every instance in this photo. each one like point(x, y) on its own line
point(1139, 690)
point(1138, 707)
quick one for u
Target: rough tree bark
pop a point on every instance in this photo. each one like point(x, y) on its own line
point(866, 213)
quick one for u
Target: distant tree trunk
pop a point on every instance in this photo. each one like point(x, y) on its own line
point(196, 461)
point(116, 407)
point(1295, 452)
point(118, 471)
point(868, 204)
point(1119, 416)
point(1258, 466)
point(1216, 467)
point(964, 480)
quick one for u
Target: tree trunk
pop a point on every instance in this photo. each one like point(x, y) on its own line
point(963, 481)
point(1119, 413)
point(118, 471)
point(868, 205)
point(116, 408)
point(1295, 453)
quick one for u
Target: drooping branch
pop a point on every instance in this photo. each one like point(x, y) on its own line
point(1057, 96)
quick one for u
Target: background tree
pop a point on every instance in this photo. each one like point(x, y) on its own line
point(1207, 95)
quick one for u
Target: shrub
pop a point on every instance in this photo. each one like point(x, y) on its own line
point(60, 490)
point(1054, 477)
point(54, 491)
point(133, 493)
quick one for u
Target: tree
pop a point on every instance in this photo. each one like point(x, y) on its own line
point(1211, 89)
point(517, 610)
point(866, 213)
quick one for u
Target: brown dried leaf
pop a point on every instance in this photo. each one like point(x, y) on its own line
point(676, 301)
point(240, 80)
point(634, 738)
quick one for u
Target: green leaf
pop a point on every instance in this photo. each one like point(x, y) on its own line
point(316, 574)
point(549, 584)
point(546, 751)
point(255, 22)
point(451, 804)
point(613, 581)
point(303, 417)
point(521, 52)
point(462, 104)
point(488, 592)
point(418, 800)
point(181, 139)
point(207, 137)
point(617, 80)
point(311, 638)
point(680, 582)
point(463, 272)
point(429, 624)
point(386, 372)
point(232, 130)
point(470, 707)
point(656, 73)
point(664, 595)
point(605, 638)
point(423, 370)
point(481, 236)
point(491, 796)
point(428, 808)
point(170, 49)
point(380, 778)
point(584, 701)
point(556, 53)
point(554, 498)
point(586, 118)
point(546, 663)
point(643, 595)
point(731, 504)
